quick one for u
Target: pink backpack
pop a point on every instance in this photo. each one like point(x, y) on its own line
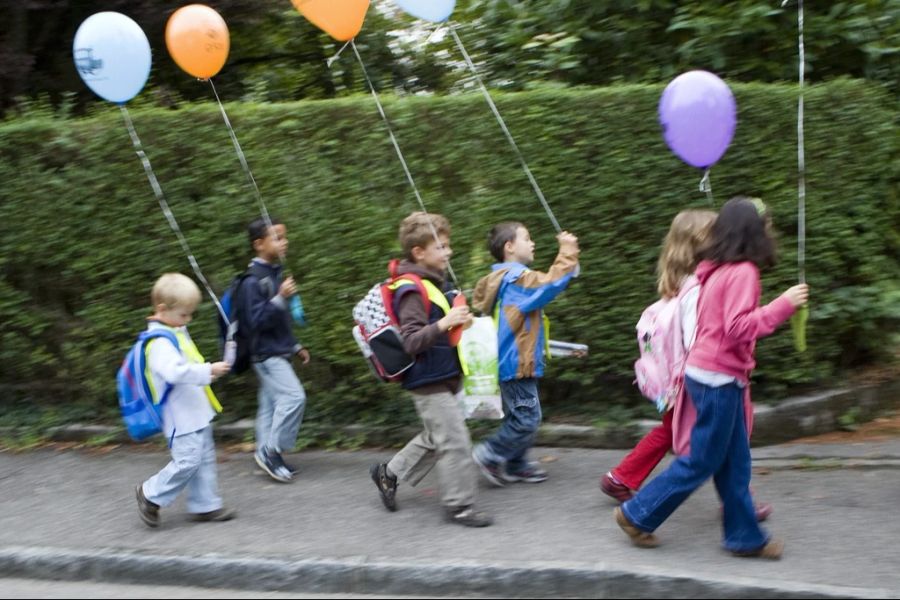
point(663, 355)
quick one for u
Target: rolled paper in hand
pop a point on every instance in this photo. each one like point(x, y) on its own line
point(230, 352)
point(798, 326)
point(455, 333)
point(559, 349)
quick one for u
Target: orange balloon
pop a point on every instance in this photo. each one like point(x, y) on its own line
point(341, 19)
point(197, 39)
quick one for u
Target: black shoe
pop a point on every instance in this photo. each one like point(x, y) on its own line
point(272, 463)
point(220, 514)
point(468, 516)
point(387, 485)
point(148, 510)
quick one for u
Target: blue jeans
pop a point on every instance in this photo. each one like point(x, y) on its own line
point(281, 404)
point(193, 466)
point(720, 448)
point(522, 408)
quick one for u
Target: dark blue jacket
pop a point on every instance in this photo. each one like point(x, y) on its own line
point(437, 362)
point(267, 312)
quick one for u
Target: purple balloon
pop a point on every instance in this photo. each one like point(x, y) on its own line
point(698, 115)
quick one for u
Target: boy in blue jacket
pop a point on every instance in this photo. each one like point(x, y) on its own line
point(516, 296)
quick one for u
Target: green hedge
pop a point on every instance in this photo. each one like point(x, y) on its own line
point(82, 238)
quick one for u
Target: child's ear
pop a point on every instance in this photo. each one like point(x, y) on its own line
point(418, 253)
point(257, 244)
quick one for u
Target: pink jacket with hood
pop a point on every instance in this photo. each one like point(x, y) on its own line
point(729, 321)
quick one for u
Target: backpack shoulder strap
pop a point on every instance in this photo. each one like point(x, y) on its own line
point(146, 336)
point(400, 280)
point(144, 339)
point(261, 273)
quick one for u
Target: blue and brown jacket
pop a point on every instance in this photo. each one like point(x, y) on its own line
point(515, 295)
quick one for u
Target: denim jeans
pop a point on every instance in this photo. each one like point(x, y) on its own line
point(281, 404)
point(521, 419)
point(193, 466)
point(720, 448)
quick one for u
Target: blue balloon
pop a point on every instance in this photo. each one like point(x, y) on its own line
point(430, 10)
point(112, 56)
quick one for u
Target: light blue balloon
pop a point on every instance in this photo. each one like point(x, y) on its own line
point(430, 10)
point(112, 56)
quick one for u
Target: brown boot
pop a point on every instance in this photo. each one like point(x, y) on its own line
point(773, 550)
point(639, 538)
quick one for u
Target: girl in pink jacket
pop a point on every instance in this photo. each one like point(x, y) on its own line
point(729, 321)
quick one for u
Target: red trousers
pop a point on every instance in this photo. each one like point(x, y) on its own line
point(635, 467)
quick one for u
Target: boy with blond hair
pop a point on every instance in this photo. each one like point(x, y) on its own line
point(435, 379)
point(181, 378)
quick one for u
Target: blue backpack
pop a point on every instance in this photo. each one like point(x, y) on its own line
point(143, 417)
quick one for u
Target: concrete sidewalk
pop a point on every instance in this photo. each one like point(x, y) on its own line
point(72, 515)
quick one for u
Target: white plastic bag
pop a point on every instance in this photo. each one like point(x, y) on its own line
point(481, 389)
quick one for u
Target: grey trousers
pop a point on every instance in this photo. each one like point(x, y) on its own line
point(444, 443)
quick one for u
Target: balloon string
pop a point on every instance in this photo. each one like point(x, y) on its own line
point(406, 170)
point(500, 121)
point(801, 159)
point(706, 187)
point(337, 55)
point(157, 190)
point(433, 33)
point(264, 211)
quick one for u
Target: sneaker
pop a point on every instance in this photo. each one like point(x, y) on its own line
point(491, 470)
point(468, 516)
point(530, 474)
point(387, 485)
point(272, 463)
point(220, 514)
point(148, 510)
point(763, 511)
point(772, 550)
point(613, 488)
point(291, 468)
point(639, 538)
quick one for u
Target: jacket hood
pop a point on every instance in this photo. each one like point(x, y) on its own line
point(407, 266)
point(488, 287)
point(485, 294)
point(705, 269)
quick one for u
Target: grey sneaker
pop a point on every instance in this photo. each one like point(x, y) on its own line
point(272, 463)
point(468, 516)
point(220, 514)
point(148, 510)
point(492, 471)
point(387, 485)
point(530, 474)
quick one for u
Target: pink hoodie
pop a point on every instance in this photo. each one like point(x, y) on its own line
point(730, 319)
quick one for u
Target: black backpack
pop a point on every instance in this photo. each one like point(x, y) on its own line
point(239, 330)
